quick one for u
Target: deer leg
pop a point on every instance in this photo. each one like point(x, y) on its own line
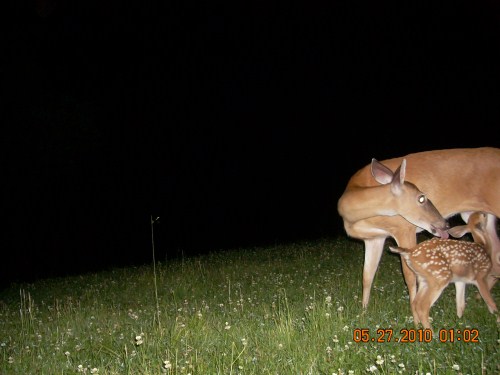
point(428, 294)
point(485, 293)
point(491, 232)
point(416, 302)
point(373, 252)
point(408, 239)
point(410, 279)
point(460, 297)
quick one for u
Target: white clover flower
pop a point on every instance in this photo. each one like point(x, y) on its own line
point(244, 341)
point(346, 328)
point(167, 365)
point(380, 360)
point(372, 368)
point(335, 339)
point(138, 340)
point(227, 326)
point(327, 315)
point(11, 359)
point(340, 308)
point(80, 368)
point(66, 353)
point(94, 371)
point(455, 367)
point(401, 365)
point(328, 299)
point(328, 350)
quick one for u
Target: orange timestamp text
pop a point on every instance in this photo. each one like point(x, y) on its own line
point(410, 335)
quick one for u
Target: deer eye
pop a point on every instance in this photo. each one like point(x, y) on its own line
point(421, 199)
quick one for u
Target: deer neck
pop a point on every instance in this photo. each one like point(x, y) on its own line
point(362, 203)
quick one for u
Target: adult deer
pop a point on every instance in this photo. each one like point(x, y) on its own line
point(457, 181)
point(438, 262)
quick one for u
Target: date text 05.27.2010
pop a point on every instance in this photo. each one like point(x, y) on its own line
point(415, 335)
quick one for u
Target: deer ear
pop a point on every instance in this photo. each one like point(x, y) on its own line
point(458, 231)
point(381, 173)
point(399, 178)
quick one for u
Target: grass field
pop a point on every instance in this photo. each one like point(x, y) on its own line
point(288, 309)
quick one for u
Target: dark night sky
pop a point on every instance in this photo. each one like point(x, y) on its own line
point(237, 122)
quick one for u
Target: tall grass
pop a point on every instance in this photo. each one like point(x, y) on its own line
point(290, 309)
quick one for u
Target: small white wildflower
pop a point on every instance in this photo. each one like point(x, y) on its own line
point(80, 368)
point(327, 315)
point(335, 339)
point(340, 308)
point(346, 328)
point(372, 368)
point(328, 299)
point(227, 326)
point(167, 365)
point(138, 340)
point(244, 341)
point(455, 367)
point(329, 350)
point(11, 359)
point(350, 372)
point(94, 371)
point(401, 365)
point(380, 360)
point(280, 346)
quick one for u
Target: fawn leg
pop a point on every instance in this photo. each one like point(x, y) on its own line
point(460, 297)
point(429, 295)
point(485, 293)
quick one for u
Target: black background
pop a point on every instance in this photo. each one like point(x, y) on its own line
point(238, 123)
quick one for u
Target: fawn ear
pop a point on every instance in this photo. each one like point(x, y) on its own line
point(459, 231)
